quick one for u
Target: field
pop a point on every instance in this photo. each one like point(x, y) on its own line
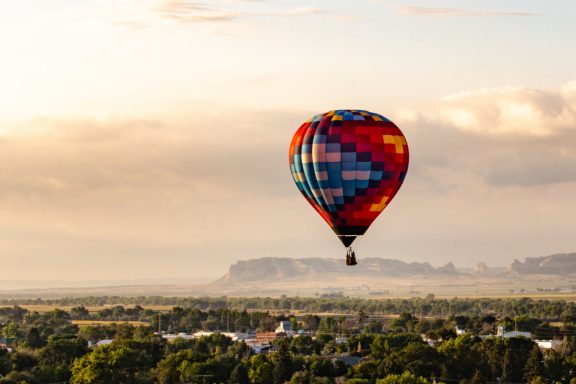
point(86, 323)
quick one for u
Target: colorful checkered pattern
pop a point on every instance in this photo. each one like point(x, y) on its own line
point(348, 164)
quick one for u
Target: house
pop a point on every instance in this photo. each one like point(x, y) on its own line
point(262, 348)
point(341, 340)
point(171, 336)
point(235, 336)
point(348, 360)
point(7, 342)
point(285, 327)
point(268, 337)
point(508, 334)
point(548, 344)
point(99, 343)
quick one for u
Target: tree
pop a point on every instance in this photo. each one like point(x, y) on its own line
point(477, 378)
point(239, 375)
point(365, 370)
point(405, 378)
point(362, 317)
point(62, 351)
point(282, 364)
point(109, 364)
point(79, 313)
point(534, 367)
point(460, 357)
point(261, 370)
point(304, 345)
point(5, 363)
point(23, 361)
point(420, 359)
point(33, 339)
point(11, 330)
point(168, 369)
point(374, 326)
point(506, 368)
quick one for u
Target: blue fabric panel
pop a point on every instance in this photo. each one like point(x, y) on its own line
point(348, 165)
point(348, 156)
point(332, 147)
point(349, 187)
point(376, 175)
point(363, 166)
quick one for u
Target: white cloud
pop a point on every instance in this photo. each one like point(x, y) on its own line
point(191, 12)
point(500, 137)
point(439, 11)
point(510, 110)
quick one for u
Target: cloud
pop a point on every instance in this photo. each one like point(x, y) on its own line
point(437, 11)
point(508, 110)
point(53, 158)
point(499, 137)
point(302, 11)
point(187, 11)
point(191, 12)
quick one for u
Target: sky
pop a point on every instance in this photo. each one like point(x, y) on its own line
point(149, 138)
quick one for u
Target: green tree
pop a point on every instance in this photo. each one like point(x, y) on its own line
point(477, 378)
point(11, 330)
point(111, 364)
point(404, 378)
point(282, 364)
point(420, 359)
point(460, 357)
point(33, 339)
point(57, 357)
point(304, 345)
point(506, 368)
point(261, 370)
point(23, 361)
point(361, 317)
point(239, 375)
point(5, 362)
point(79, 313)
point(534, 367)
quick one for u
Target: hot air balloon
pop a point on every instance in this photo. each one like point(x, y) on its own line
point(348, 164)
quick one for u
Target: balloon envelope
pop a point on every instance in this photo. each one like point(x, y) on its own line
point(348, 164)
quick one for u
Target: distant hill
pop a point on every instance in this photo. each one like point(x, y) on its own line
point(275, 269)
point(559, 264)
point(553, 275)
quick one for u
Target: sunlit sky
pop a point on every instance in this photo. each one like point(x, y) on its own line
point(149, 138)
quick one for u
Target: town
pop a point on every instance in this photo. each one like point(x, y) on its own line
point(136, 344)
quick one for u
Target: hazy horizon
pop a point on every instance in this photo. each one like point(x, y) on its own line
point(149, 139)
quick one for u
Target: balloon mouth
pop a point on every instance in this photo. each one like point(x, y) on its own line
point(347, 234)
point(347, 240)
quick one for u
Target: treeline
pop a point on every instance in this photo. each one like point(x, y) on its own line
point(360, 349)
point(16, 321)
point(551, 310)
point(49, 348)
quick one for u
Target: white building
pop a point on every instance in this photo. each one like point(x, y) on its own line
point(508, 334)
point(548, 344)
point(285, 327)
point(233, 335)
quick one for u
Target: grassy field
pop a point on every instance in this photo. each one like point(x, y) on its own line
point(86, 323)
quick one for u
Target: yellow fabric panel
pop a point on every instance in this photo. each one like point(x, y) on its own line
point(398, 142)
point(380, 206)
